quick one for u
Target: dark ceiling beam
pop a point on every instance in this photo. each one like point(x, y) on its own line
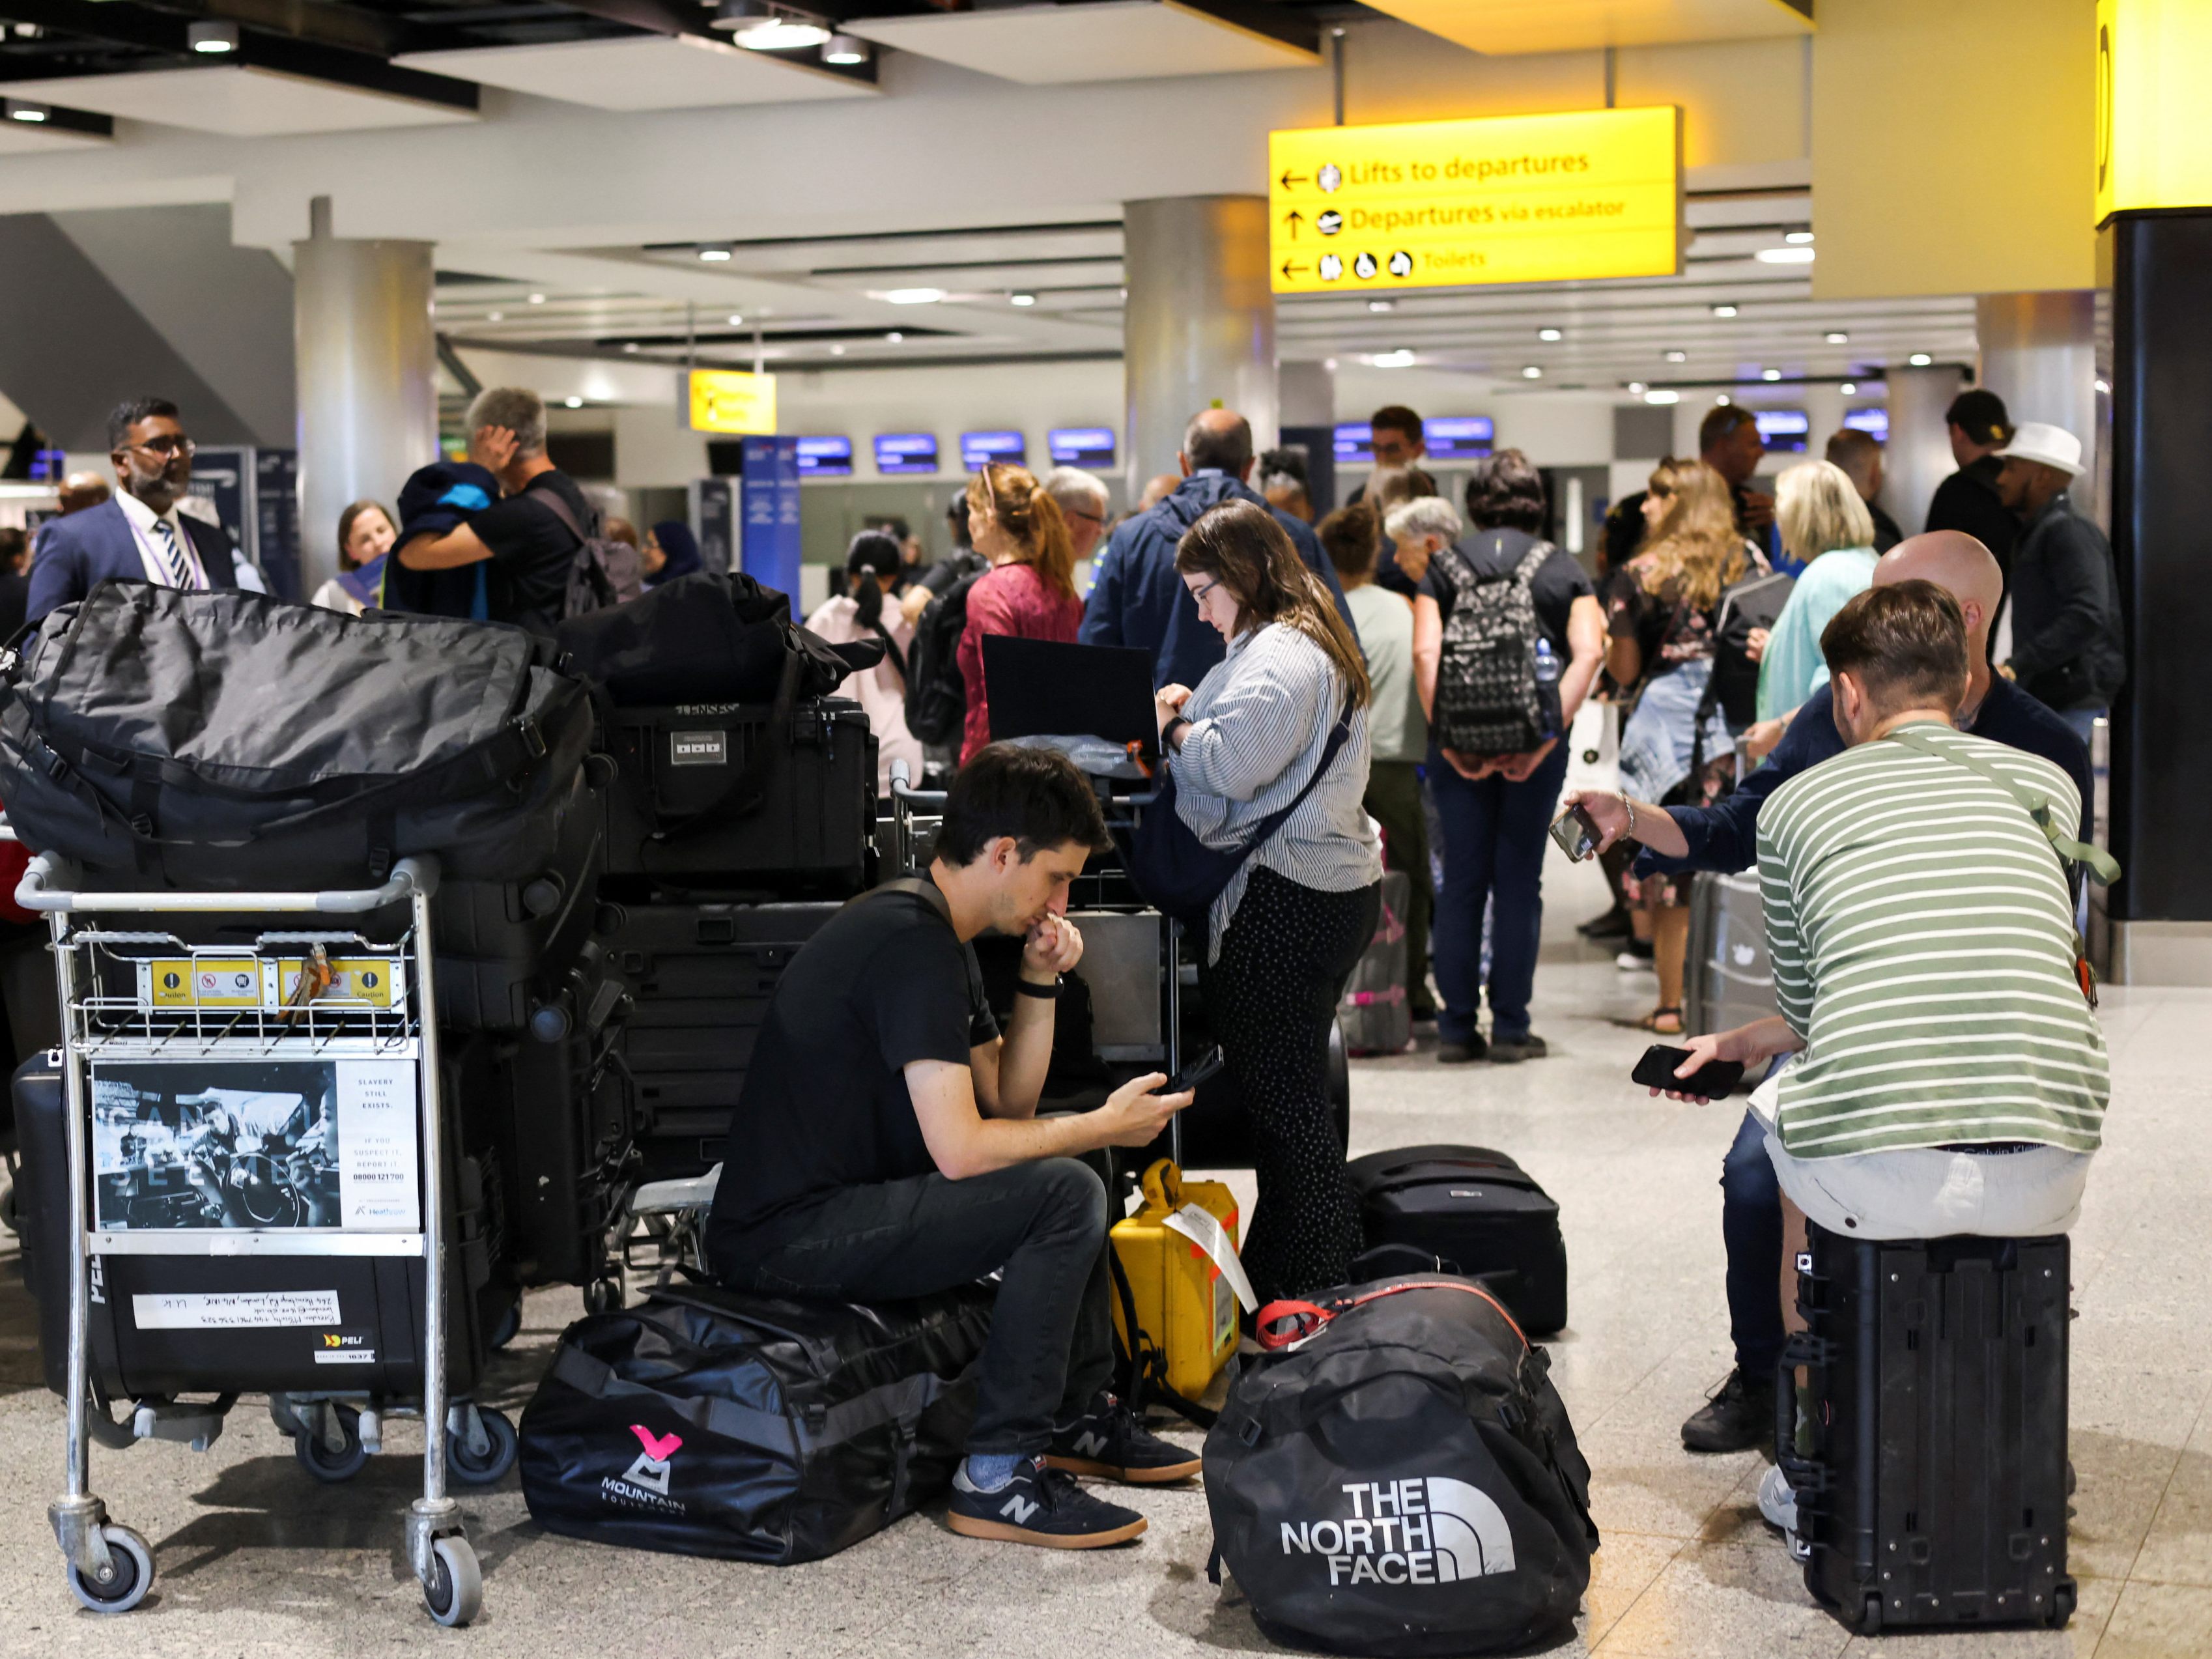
point(657, 16)
point(159, 25)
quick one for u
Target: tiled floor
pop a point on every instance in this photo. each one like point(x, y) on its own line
point(256, 1560)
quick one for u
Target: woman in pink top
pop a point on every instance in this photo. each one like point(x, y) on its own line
point(872, 564)
point(1030, 590)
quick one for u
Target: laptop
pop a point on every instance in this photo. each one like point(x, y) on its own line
point(1043, 688)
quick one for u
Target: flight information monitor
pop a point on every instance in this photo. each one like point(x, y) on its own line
point(1081, 446)
point(905, 452)
point(1355, 442)
point(1784, 428)
point(1874, 422)
point(825, 458)
point(1004, 448)
point(1458, 437)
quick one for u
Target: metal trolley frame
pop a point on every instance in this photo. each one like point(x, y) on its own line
point(110, 1566)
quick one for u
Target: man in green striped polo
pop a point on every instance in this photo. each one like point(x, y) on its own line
point(1948, 1073)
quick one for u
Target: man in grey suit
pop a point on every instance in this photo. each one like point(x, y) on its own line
point(139, 535)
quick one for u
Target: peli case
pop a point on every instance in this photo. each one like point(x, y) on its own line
point(1477, 1210)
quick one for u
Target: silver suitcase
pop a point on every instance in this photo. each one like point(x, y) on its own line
point(1727, 980)
point(1374, 1014)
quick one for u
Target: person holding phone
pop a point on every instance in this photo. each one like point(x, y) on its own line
point(886, 1146)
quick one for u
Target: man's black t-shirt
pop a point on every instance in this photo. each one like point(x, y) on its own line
point(531, 551)
point(1968, 501)
point(825, 1105)
point(1558, 583)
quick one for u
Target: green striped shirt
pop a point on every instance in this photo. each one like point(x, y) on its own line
point(1922, 939)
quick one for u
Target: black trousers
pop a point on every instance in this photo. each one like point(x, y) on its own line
point(1271, 1000)
point(1050, 1351)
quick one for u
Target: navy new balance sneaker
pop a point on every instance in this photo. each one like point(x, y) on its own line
point(1039, 1505)
point(1113, 1444)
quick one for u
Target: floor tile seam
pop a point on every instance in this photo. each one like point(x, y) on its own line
point(2151, 1520)
point(1682, 1546)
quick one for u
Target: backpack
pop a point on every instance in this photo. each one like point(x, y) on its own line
point(1754, 602)
point(1395, 1474)
point(1489, 700)
point(936, 695)
point(597, 570)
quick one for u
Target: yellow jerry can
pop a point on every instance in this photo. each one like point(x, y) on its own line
point(1173, 1250)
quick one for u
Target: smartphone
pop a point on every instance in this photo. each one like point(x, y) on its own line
point(1713, 1079)
point(1577, 836)
point(1206, 1067)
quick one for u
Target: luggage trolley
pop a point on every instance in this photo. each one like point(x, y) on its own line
point(164, 1160)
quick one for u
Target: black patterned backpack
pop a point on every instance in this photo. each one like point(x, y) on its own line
point(1490, 700)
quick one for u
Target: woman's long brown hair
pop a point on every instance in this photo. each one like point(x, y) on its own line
point(1031, 519)
point(1696, 551)
point(1240, 546)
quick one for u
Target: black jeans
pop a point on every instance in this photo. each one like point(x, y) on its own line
point(1271, 1000)
point(1051, 1346)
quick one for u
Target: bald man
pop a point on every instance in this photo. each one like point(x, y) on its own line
point(1724, 838)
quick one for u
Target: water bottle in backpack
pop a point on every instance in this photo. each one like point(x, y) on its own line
point(1547, 687)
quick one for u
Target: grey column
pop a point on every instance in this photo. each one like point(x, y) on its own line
point(367, 363)
point(2039, 355)
point(1919, 450)
point(1199, 325)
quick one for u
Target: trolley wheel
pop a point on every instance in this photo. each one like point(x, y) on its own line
point(509, 1326)
point(470, 1470)
point(317, 1457)
point(1870, 1615)
point(454, 1594)
point(130, 1577)
point(603, 1295)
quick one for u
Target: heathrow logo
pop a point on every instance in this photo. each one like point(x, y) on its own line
point(1425, 1530)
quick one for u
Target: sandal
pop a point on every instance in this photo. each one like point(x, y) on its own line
point(1657, 1022)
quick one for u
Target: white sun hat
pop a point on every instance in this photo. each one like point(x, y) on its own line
point(2053, 446)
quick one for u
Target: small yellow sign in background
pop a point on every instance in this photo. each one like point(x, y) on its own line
point(1515, 198)
point(728, 400)
point(2153, 142)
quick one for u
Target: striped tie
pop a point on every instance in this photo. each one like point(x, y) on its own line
point(180, 574)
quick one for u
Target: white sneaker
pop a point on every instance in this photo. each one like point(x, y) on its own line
point(1776, 1502)
point(1629, 963)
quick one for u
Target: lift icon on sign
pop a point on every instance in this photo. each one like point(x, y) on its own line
point(1330, 177)
point(1332, 268)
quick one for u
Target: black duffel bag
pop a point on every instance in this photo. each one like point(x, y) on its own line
point(1395, 1474)
point(704, 638)
point(713, 1422)
point(230, 741)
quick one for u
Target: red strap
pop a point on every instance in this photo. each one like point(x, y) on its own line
point(1307, 1318)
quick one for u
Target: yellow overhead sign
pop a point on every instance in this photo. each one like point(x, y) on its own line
point(725, 400)
point(2153, 143)
point(1513, 198)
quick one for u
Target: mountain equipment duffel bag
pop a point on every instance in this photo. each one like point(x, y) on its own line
point(1395, 1474)
point(714, 1422)
point(229, 741)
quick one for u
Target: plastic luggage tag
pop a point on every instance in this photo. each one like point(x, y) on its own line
point(1201, 1229)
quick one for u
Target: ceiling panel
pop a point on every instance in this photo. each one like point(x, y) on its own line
point(30, 138)
point(1107, 40)
point(641, 72)
point(1506, 28)
point(237, 101)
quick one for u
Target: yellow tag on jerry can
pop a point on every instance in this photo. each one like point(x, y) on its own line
point(1179, 1251)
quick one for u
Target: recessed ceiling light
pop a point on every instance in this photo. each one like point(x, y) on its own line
point(774, 33)
point(630, 345)
point(1920, 359)
point(1837, 336)
point(1724, 311)
point(1532, 372)
point(537, 299)
point(1723, 398)
point(1785, 256)
point(1798, 238)
point(27, 112)
point(845, 49)
point(1392, 360)
point(1661, 395)
point(910, 296)
point(573, 403)
point(1770, 374)
point(1549, 334)
point(1636, 386)
point(495, 316)
point(1021, 298)
point(212, 38)
point(715, 255)
point(1676, 356)
point(895, 337)
point(737, 318)
point(1849, 388)
point(1382, 305)
point(2105, 386)
point(836, 351)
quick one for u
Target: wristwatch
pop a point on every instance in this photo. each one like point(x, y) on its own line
point(1167, 731)
point(1042, 993)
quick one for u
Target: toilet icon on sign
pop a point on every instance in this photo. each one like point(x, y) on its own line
point(1365, 267)
point(1401, 264)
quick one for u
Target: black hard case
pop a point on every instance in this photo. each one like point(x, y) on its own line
point(701, 976)
point(378, 1296)
point(682, 812)
point(1935, 1491)
point(1476, 1210)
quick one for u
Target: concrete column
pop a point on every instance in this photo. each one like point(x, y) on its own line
point(1200, 323)
point(367, 363)
point(2039, 355)
point(1919, 454)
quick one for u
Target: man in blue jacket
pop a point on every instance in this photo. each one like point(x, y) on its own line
point(1724, 838)
point(1136, 597)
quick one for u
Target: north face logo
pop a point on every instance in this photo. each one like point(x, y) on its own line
point(1427, 1530)
point(650, 1471)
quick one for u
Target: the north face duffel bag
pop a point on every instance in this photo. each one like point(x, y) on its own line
point(714, 1422)
point(1397, 1476)
point(230, 741)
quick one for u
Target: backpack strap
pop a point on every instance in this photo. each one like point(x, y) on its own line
point(919, 887)
point(1532, 561)
point(551, 501)
point(2070, 852)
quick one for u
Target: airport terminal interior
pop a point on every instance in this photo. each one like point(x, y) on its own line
point(955, 286)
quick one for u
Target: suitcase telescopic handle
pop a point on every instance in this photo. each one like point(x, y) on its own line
point(50, 884)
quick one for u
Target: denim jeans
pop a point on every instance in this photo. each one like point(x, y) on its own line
point(1751, 1226)
point(1050, 1351)
point(1494, 838)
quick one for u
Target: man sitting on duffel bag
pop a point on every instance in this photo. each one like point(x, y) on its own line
point(885, 1146)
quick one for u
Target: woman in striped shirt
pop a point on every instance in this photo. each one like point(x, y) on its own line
point(1288, 929)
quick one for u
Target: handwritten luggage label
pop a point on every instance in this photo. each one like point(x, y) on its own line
point(211, 1310)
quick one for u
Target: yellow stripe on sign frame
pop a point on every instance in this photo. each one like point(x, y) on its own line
point(1515, 198)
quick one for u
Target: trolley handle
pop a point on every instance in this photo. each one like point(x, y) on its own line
point(47, 884)
point(922, 797)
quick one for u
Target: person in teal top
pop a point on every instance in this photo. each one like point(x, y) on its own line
point(1824, 523)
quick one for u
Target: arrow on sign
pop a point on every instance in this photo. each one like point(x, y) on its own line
point(1290, 178)
point(1290, 269)
point(1294, 219)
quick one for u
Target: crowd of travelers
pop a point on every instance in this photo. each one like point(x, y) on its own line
point(1800, 688)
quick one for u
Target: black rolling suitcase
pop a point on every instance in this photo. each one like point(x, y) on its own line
point(738, 796)
point(1476, 1210)
point(1934, 1492)
point(701, 976)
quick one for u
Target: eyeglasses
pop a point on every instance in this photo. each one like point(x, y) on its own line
point(1197, 594)
point(168, 443)
point(1078, 513)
